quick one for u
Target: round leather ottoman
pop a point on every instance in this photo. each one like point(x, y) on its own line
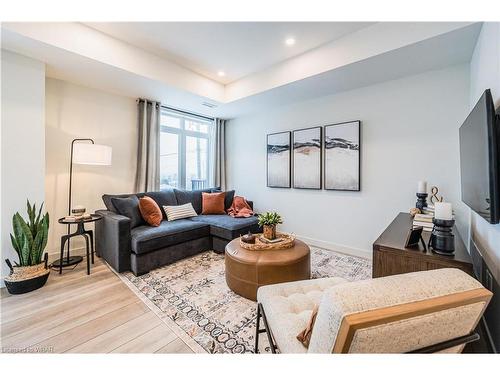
point(247, 270)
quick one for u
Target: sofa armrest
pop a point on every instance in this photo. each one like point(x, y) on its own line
point(113, 239)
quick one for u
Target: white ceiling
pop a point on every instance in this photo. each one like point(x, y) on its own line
point(237, 48)
point(380, 52)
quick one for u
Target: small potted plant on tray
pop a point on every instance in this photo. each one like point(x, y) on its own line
point(29, 239)
point(268, 222)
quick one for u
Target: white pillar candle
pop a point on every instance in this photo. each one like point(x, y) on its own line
point(422, 187)
point(443, 210)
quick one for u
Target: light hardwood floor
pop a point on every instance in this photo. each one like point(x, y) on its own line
point(78, 313)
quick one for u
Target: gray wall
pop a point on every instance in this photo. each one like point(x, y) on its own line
point(23, 145)
point(485, 74)
point(409, 133)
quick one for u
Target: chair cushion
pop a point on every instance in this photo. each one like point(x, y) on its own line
point(146, 239)
point(129, 207)
point(150, 211)
point(288, 308)
point(227, 227)
point(213, 203)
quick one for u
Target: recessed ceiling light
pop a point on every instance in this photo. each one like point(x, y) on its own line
point(220, 73)
point(290, 41)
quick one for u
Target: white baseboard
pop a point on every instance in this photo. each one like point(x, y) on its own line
point(362, 253)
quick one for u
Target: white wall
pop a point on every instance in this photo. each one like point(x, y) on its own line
point(485, 74)
point(409, 133)
point(74, 111)
point(22, 140)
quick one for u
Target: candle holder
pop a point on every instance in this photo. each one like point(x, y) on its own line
point(442, 240)
point(421, 201)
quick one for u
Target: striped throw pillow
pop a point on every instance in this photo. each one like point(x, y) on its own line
point(179, 212)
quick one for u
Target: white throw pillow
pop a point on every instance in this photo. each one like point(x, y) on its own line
point(179, 212)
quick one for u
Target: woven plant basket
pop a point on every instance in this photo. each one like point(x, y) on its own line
point(27, 278)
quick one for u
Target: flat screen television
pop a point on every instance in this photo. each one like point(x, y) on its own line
point(479, 159)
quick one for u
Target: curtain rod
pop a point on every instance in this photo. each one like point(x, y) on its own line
point(187, 113)
point(178, 110)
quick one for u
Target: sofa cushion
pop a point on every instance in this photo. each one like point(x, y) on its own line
point(150, 211)
point(108, 200)
point(190, 196)
point(129, 207)
point(213, 203)
point(146, 239)
point(228, 200)
point(162, 198)
point(178, 212)
point(228, 227)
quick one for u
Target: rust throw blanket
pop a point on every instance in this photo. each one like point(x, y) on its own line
point(240, 208)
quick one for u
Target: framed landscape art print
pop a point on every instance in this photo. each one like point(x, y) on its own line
point(278, 160)
point(307, 157)
point(342, 156)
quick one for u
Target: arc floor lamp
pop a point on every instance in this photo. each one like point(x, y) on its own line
point(83, 151)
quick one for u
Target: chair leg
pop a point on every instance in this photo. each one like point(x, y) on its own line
point(267, 330)
point(257, 330)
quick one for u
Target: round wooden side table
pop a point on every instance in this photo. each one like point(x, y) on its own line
point(247, 270)
point(88, 234)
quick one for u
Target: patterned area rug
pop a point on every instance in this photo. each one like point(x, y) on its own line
point(192, 298)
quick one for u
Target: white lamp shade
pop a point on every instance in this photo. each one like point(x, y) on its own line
point(92, 154)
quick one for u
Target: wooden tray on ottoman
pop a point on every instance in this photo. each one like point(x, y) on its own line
point(287, 242)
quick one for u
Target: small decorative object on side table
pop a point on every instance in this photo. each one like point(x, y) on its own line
point(442, 240)
point(268, 221)
point(421, 195)
point(80, 231)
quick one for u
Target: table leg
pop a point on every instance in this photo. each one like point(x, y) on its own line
point(87, 250)
point(91, 236)
point(63, 240)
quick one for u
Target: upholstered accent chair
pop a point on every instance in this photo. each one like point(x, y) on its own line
point(429, 311)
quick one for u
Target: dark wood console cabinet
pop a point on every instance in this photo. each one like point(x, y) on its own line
point(390, 257)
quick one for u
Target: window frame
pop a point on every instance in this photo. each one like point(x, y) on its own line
point(182, 133)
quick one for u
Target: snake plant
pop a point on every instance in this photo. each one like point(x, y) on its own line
point(270, 218)
point(30, 237)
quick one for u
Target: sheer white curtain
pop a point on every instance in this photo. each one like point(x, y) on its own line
point(218, 154)
point(148, 149)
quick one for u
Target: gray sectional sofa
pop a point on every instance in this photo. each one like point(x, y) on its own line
point(126, 242)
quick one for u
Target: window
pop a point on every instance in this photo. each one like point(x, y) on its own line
point(185, 144)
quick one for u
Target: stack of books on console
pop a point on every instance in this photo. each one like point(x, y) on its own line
point(424, 220)
point(429, 210)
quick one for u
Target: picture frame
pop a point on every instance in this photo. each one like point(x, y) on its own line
point(307, 158)
point(342, 164)
point(278, 160)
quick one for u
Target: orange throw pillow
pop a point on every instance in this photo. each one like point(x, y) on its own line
point(212, 203)
point(150, 211)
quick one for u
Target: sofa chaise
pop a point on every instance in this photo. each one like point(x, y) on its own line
point(127, 245)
